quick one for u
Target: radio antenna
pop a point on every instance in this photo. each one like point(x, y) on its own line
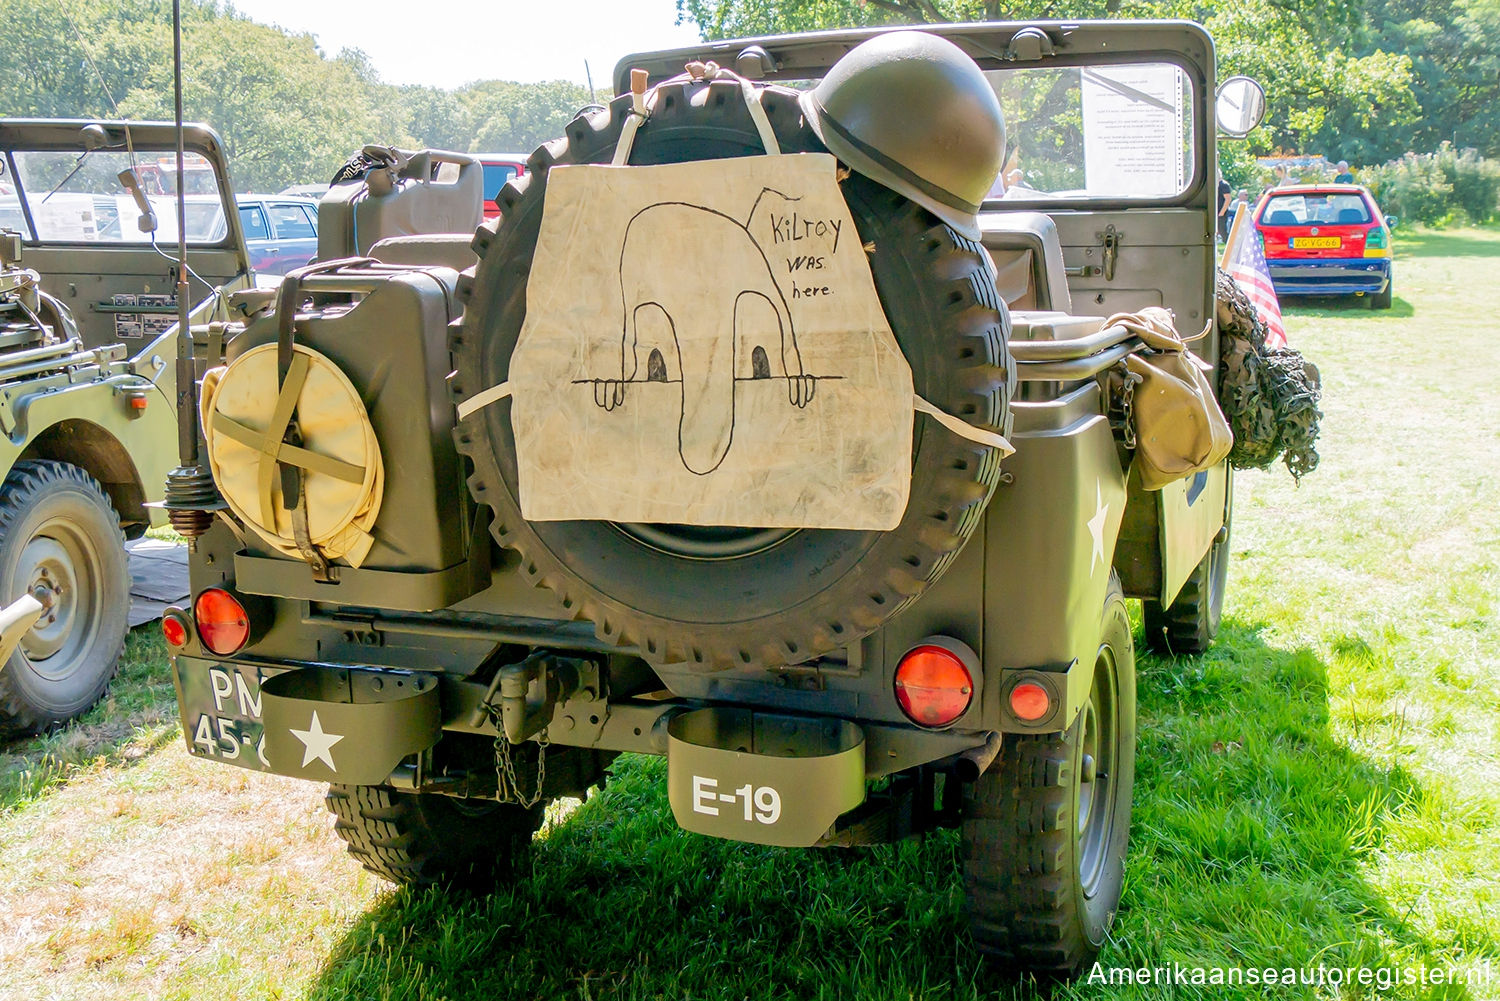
point(191, 497)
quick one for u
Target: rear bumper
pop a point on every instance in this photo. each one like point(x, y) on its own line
point(236, 712)
point(1330, 277)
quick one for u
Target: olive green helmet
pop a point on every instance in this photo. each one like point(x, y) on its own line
point(912, 111)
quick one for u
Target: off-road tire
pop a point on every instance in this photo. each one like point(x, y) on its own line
point(1383, 299)
point(800, 593)
point(1188, 625)
point(1029, 904)
point(55, 516)
point(423, 839)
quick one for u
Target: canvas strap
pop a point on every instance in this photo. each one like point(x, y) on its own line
point(642, 102)
point(962, 428)
point(284, 419)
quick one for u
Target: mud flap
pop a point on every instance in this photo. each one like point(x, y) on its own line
point(350, 726)
point(764, 778)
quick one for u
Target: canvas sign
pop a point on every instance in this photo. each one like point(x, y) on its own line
point(704, 345)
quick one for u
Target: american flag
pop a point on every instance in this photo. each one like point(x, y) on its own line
point(1247, 266)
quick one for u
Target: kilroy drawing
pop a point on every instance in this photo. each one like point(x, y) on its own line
point(704, 345)
point(682, 322)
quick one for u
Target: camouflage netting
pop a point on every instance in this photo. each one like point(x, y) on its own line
point(1269, 395)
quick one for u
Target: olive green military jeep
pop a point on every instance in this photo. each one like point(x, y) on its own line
point(373, 609)
point(87, 385)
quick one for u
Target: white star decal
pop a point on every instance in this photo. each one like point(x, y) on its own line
point(1096, 526)
point(319, 745)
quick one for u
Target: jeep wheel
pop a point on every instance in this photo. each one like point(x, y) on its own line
point(711, 598)
point(422, 839)
point(1046, 828)
point(60, 534)
point(1190, 623)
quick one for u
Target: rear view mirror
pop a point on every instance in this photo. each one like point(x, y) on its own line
point(1391, 220)
point(1239, 106)
point(132, 184)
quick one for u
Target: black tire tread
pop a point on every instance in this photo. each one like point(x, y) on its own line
point(1190, 624)
point(1182, 627)
point(1017, 846)
point(23, 485)
point(398, 837)
point(1016, 831)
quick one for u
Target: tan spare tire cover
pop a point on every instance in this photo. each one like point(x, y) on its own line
point(342, 473)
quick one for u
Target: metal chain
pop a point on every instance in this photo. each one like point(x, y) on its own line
point(1126, 422)
point(507, 785)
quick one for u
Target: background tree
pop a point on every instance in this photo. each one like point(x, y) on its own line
point(287, 112)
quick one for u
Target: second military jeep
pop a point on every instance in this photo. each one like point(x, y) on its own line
point(373, 610)
point(88, 312)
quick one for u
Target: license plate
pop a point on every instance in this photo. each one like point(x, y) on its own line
point(1315, 242)
point(220, 705)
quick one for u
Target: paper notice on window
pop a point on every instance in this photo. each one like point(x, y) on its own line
point(1133, 130)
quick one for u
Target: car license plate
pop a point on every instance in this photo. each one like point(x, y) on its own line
point(1315, 242)
point(220, 705)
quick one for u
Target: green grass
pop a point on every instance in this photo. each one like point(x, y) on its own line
point(1322, 787)
point(136, 716)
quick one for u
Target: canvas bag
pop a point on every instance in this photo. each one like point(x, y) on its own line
point(1179, 427)
point(704, 345)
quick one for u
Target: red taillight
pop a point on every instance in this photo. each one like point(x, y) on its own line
point(175, 630)
point(222, 624)
point(1030, 701)
point(933, 686)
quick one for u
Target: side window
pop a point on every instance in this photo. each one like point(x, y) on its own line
point(495, 176)
point(1116, 131)
point(292, 222)
point(253, 222)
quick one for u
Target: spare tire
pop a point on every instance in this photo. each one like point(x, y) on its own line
point(714, 598)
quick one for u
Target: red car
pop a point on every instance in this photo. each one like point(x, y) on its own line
point(1326, 239)
point(498, 168)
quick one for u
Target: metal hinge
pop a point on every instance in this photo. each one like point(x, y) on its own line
point(1110, 241)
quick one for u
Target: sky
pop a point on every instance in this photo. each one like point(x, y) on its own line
point(447, 43)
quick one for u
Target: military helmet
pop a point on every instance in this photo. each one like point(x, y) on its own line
point(912, 111)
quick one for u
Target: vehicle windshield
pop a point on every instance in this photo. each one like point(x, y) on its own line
point(1118, 131)
point(1315, 209)
point(1110, 131)
point(81, 200)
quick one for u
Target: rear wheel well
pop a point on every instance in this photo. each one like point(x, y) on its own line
point(97, 452)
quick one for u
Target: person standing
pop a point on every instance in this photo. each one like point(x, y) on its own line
point(1236, 203)
point(1224, 198)
point(1344, 176)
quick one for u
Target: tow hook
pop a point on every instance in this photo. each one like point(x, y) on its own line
point(529, 693)
point(17, 618)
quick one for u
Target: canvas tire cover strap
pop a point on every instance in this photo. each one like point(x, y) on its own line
point(705, 597)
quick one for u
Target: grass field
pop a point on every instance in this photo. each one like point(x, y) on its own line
point(1322, 788)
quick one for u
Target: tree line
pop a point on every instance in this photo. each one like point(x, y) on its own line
point(288, 113)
